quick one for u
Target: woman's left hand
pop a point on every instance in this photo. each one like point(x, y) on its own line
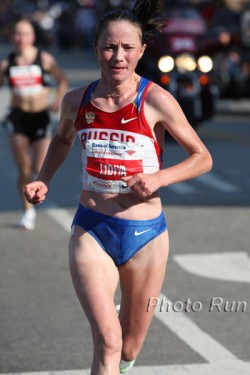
point(143, 185)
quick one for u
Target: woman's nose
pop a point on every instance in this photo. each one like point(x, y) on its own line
point(119, 54)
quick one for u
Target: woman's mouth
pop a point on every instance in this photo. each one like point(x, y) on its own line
point(117, 68)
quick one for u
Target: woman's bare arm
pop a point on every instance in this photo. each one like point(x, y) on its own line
point(59, 148)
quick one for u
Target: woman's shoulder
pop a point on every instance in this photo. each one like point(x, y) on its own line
point(47, 59)
point(6, 61)
point(74, 96)
point(72, 100)
point(158, 96)
point(160, 105)
point(4, 65)
point(156, 90)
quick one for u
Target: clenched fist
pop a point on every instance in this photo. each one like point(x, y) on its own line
point(35, 192)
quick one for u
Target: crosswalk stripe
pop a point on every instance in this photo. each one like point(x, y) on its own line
point(218, 183)
point(183, 188)
point(201, 342)
point(211, 180)
point(60, 216)
point(226, 266)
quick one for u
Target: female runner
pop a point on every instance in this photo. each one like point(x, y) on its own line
point(119, 231)
point(27, 122)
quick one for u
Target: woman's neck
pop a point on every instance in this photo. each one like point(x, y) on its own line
point(27, 55)
point(122, 91)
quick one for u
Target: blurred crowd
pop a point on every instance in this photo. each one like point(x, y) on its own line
point(65, 23)
point(71, 23)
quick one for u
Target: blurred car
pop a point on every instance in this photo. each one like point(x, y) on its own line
point(173, 60)
point(228, 43)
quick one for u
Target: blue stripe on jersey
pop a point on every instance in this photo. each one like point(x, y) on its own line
point(88, 93)
point(143, 84)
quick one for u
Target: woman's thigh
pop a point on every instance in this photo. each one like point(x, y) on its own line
point(95, 278)
point(141, 279)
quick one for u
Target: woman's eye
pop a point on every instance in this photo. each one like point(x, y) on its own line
point(128, 48)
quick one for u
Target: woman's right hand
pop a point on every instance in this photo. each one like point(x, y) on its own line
point(35, 192)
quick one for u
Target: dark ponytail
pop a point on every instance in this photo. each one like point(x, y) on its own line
point(148, 12)
point(145, 15)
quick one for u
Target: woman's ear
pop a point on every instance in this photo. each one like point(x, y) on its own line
point(142, 50)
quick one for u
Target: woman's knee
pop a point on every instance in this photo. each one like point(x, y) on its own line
point(24, 169)
point(109, 343)
point(131, 348)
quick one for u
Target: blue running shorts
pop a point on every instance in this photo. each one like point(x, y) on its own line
point(120, 238)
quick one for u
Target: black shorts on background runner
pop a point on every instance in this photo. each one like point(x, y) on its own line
point(34, 125)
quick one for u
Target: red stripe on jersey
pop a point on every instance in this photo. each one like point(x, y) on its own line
point(112, 169)
point(25, 81)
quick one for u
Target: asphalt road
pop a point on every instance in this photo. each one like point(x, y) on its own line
point(202, 317)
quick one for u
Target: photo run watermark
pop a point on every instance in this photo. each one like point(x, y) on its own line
point(216, 304)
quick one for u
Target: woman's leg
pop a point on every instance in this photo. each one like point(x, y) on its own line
point(21, 152)
point(95, 278)
point(141, 279)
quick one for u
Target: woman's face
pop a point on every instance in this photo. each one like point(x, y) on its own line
point(118, 50)
point(24, 35)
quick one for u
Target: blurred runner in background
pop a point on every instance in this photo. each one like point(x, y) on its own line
point(27, 120)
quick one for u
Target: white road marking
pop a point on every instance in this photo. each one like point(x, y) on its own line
point(220, 360)
point(211, 180)
point(61, 217)
point(218, 183)
point(183, 188)
point(227, 266)
point(201, 342)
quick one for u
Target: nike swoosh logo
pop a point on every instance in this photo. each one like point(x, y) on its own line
point(136, 233)
point(128, 120)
